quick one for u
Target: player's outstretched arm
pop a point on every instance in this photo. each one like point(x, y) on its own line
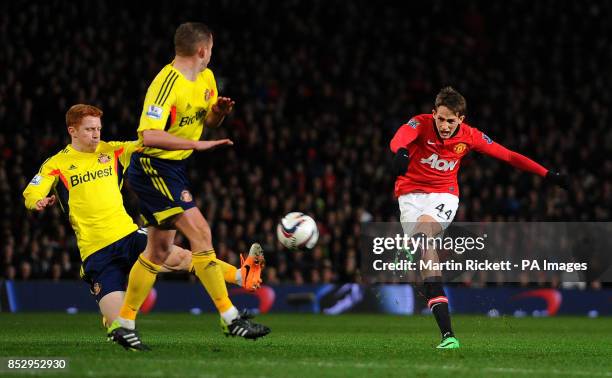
point(203, 145)
point(166, 141)
point(485, 145)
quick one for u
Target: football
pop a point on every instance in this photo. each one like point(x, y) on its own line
point(297, 230)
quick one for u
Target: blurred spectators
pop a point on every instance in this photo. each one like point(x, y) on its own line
point(320, 88)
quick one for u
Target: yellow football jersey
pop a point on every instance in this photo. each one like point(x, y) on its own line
point(88, 188)
point(179, 106)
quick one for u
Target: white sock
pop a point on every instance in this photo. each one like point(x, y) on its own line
point(229, 315)
point(238, 277)
point(126, 323)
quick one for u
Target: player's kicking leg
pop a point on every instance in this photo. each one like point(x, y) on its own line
point(248, 276)
point(142, 278)
point(180, 260)
point(195, 227)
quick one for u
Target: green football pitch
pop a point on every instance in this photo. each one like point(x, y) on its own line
point(314, 345)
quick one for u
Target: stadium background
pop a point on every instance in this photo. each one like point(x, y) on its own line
point(320, 88)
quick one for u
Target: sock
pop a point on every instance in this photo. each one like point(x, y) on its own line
point(231, 274)
point(126, 323)
point(210, 275)
point(141, 280)
point(438, 304)
point(238, 277)
point(229, 315)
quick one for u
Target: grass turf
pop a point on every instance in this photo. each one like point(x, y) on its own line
point(315, 345)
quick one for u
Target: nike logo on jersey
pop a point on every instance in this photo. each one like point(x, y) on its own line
point(439, 164)
point(430, 142)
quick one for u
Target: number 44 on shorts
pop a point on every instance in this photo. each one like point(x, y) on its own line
point(441, 211)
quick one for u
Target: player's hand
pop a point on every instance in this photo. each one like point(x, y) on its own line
point(203, 145)
point(400, 162)
point(560, 179)
point(223, 106)
point(48, 201)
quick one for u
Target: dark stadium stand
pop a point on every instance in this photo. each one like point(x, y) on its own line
point(320, 88)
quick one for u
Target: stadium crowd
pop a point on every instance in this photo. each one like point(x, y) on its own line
point(320, 88)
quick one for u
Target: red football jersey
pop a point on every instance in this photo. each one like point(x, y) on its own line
point(434, 162)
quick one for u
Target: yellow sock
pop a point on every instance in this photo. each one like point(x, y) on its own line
point(141, 280)
point(208, 270)
point(228, 270)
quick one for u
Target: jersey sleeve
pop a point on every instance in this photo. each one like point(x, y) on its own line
point(405, 135)
point(483, 144)
point(158, 104)
point(124, 150)
point(40, 186)
point(212, 83)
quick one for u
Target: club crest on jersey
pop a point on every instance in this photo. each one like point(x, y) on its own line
point(96, 288)
point(486, 138)
point(103, 159)
point(208, 94)
point(413, 123)
point(186, 196)
point(460, 148)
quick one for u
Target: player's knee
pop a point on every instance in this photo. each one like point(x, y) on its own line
point(428, 225)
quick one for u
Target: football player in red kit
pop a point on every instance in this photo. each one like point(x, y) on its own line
point(428, 152)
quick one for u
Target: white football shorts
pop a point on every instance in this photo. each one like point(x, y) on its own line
point(440, 206)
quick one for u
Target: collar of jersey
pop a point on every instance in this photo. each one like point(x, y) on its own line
point(181, 76)
point(74, 150)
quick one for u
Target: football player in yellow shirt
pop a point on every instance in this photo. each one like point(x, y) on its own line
point(180, 102)
point(86, 179)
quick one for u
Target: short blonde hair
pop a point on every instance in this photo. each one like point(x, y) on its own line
point(188, 36)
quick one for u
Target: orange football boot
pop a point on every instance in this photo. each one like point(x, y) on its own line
point(251, 267)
